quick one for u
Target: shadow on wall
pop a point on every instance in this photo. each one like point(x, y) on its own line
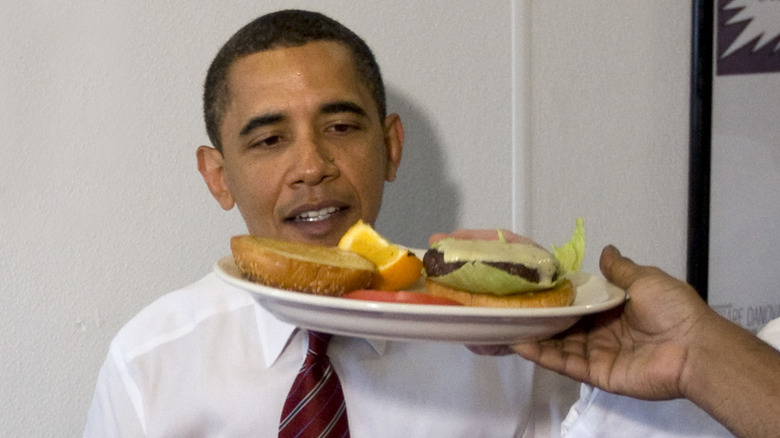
point(423, 199)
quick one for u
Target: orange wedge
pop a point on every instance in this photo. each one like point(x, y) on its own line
point(398, 268)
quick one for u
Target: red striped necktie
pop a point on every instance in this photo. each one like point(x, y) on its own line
point(315, 405)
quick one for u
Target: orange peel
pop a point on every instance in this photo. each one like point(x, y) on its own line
point(397, 267)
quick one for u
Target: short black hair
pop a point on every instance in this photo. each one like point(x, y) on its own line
point(287, 28)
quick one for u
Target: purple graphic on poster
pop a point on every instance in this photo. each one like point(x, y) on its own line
point(747, 37)
point(744, 219)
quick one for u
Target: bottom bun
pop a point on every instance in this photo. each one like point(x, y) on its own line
point(559, 296)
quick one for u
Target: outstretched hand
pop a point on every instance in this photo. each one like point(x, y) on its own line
point(638, 350)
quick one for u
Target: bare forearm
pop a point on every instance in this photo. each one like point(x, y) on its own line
point(735, 377)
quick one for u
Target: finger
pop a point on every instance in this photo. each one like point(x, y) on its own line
point(529, 350)
point(619, 270)
point(555, 352)
point(564, 357)
point(490, 350)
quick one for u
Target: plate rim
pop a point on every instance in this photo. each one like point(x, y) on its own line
point(615, 297)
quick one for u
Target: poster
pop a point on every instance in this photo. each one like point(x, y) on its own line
point(744, 216)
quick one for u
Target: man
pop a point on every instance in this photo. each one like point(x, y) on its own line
point(294, 107)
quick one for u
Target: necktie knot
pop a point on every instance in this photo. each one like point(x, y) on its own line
point(318, 344)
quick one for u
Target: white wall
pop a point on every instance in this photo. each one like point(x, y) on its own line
point(103, 210)
point(610, 126)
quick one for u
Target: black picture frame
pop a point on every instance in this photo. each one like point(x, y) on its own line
point(700, 143)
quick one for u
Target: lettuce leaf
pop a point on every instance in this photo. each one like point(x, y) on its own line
point(571, 254)
point(481, 278)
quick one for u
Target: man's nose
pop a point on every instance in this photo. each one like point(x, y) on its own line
point(314, 162)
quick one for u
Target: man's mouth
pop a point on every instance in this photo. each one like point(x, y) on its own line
point(316, 215)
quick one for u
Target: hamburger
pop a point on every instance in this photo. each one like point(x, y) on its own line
point(502, 269)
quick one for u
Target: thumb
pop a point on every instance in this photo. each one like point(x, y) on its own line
point(620, 271)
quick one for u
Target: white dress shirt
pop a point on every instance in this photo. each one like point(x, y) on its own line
point(207, 360)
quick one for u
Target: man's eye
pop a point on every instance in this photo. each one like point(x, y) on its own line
point(268, 142)
point(343, 127)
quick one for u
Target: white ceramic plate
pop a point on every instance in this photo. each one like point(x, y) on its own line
point(394, 321)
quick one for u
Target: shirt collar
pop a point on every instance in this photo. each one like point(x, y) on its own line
point(276, 334)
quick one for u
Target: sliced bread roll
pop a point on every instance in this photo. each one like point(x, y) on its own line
point(301, 267)
point(559, 296)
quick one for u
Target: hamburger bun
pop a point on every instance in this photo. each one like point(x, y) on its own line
point(301, 267)
point(558, 296)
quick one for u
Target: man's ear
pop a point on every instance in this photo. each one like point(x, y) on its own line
point(210, 165)
point(394, 143)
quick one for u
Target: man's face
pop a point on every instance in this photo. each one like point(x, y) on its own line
point(304, 152)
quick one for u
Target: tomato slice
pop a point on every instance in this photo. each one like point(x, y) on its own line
point(401, 296)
